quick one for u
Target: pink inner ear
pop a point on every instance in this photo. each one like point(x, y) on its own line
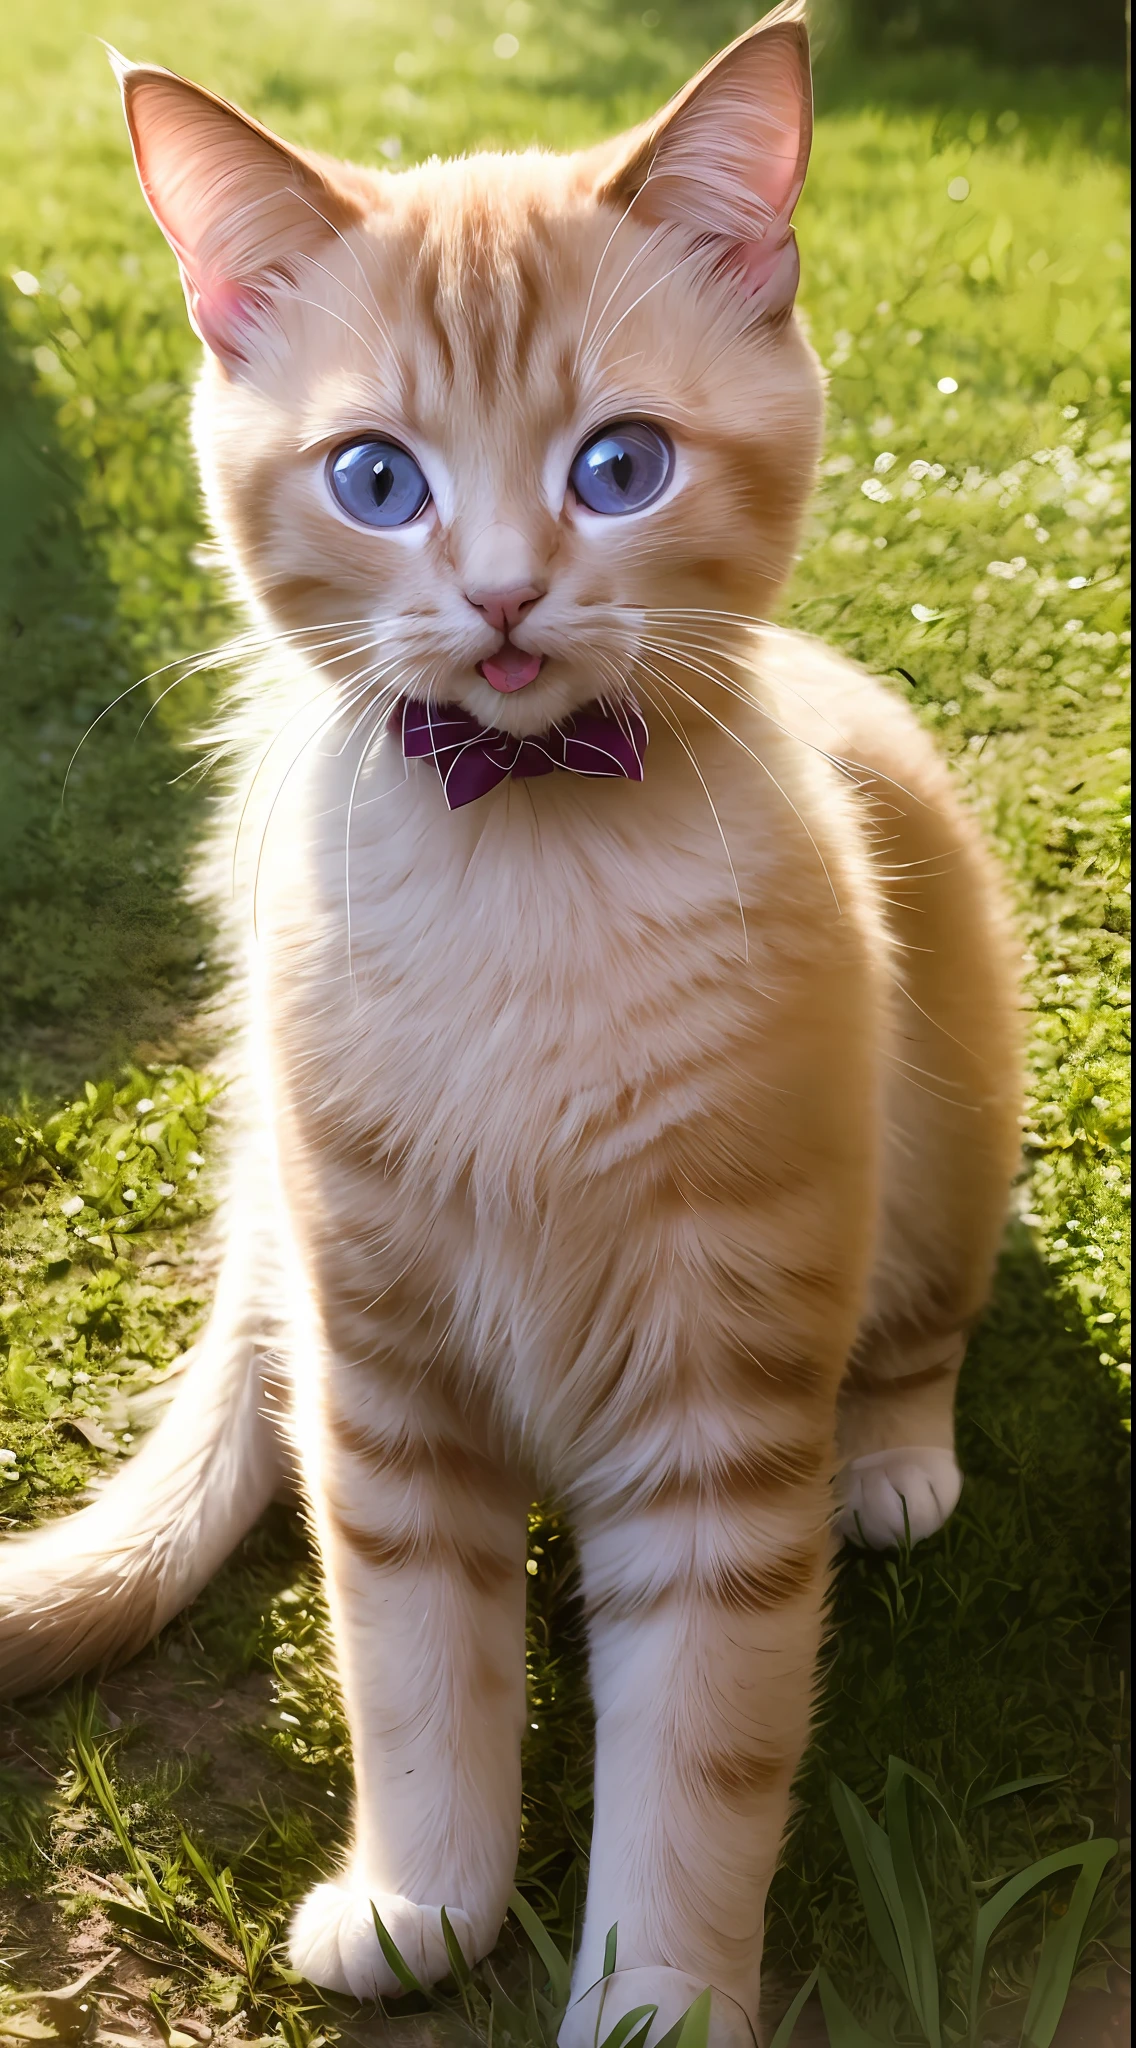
point(771, 271)
point(730, 157)
point(235, 205)
point(774, 131)
point(221, 313)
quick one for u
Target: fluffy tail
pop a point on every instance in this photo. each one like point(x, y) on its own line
point(90, 1589)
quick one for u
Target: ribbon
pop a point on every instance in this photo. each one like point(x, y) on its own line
point(472, 759)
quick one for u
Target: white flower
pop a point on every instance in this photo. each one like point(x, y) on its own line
point(195, 1159)
point(72, 1206)
point(948, 384)
point(876, 491)
point(25, 283)
point(166, 1187)
point(959, 189)
point(924, 613)
point(143, 1106)
point(7, 1457)
point(884, 462)
point(129, 1195)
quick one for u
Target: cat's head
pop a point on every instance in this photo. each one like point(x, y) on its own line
point(508, 430)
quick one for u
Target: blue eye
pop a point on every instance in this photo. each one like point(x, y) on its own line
point(623, 469)
point(378, 483)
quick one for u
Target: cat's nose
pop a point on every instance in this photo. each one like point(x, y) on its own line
point(504, 609)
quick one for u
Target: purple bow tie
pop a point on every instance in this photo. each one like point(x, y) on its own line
point(472, 759)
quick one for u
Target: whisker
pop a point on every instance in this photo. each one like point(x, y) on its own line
point(374, 312)
point(198, 668)
point(336, 712)
point(247, 641)
point(639, 251)
point(316, 307)
point(764, 766)
point(386, 700)
point(660, 706)
point(845, 764)
point(595, 345)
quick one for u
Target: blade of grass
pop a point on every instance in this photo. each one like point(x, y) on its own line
point(1090, 1855)
point(91, 1762)
point(1059, 1951)
point(633, 2022)
point(787, 2025)
point(136, 1921)
point(559, 1975)
point(924, 1985)
point(504, 2007)
point(639, 2038)
point(1017, 1785)
point(394, 1957)
point(610, 1946)
point(458, 1964)
point(692, 2027)
point(870, 1853)
point(844, 2029)
point(253, 1946)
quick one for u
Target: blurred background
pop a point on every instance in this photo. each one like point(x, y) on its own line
point(1015, 32)
point(964, 240)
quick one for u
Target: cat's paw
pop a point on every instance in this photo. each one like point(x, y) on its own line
point(876, 1489)
point(332, 1940)
point(591, 2018)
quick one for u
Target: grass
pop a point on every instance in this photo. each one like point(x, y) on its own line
point(964, 253)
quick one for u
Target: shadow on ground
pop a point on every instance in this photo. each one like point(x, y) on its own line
point(98, 949)
point(920, 1645)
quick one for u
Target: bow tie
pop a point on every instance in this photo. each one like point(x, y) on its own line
point(472, 758)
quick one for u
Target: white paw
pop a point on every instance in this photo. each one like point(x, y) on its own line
point(592, 2017)
point(332, 1940)
point(876, 1489)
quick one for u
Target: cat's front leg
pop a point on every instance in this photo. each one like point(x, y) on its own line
point(705, 1614)
point(422, 1534)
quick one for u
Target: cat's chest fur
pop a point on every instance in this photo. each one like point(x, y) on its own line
point(527, 993)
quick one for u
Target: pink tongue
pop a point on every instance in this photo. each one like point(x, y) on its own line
point(511, 668)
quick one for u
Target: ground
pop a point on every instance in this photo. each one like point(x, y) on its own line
point(964, 247)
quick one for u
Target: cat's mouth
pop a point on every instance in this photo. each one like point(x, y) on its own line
point(510, 668)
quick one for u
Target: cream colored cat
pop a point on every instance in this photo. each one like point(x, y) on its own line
point(642, 1142)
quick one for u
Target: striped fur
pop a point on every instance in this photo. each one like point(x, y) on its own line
point(648, 1146)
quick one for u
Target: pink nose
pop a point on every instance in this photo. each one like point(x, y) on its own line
point(504, 609)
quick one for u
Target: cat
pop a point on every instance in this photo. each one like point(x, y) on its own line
point(631, 1042)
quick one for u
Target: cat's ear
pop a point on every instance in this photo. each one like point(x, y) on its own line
point(236, 205)
point(727, 157)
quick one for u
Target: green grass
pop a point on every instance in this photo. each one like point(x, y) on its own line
point(983, 569)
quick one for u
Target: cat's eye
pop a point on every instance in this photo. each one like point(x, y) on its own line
point(623, 469)
point(378, 483)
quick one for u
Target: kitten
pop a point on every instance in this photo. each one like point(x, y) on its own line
point(631, 1021)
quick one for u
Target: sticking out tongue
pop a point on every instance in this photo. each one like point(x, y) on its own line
point(510, 668)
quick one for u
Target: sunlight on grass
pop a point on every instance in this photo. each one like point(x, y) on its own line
point(964, 255)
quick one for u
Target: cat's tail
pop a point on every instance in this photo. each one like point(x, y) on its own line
point(90, 1589)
